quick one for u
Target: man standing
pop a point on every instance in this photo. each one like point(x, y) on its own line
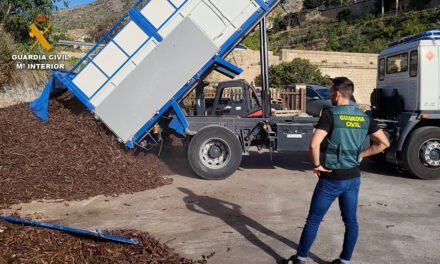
point(342, 130)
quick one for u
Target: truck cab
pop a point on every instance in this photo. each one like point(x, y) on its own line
point(227, 98)
point(406, 103)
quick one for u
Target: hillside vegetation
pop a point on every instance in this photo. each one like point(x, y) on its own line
point(369, 34)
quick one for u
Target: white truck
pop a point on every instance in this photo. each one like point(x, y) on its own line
point(406, 103)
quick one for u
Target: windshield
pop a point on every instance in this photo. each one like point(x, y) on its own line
point(324, 93)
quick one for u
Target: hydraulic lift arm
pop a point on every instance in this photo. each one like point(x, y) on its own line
point(265, 93)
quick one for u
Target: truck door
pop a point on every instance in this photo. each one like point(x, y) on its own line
point(254, 103)
point(429, 78)
point(231, 100)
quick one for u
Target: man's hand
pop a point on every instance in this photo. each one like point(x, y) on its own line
point(320, 169)
point(380, 143)
point(315, 144)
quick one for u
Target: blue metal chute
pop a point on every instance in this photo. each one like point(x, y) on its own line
point(53, 88)
point(39, 106)
point(93, 233)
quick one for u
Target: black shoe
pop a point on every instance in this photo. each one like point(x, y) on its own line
point(337, 261)
point(292, 260)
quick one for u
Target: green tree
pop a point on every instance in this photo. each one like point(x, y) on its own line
point(332, 3)
point(296, 71)
point(279, 23)
point(17, 15)
point(332, 42)
point(252, 41)
point(344, 14)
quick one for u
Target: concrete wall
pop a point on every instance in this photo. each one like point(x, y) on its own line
point(359, 67)
point(434, 3)
point(403, 5)
point(249, 61)
point(357, 9)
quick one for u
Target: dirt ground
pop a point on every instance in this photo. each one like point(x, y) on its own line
point(257, 215)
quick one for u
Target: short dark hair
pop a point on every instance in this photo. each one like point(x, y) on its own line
point(344, 86)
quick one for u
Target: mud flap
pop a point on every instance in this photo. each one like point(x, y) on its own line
point(39, 106)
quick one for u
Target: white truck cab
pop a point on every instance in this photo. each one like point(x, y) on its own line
point(413, 70)
point(406, 103)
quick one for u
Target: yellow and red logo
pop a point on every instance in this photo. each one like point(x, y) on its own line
point(41, 18)
point(39, 35)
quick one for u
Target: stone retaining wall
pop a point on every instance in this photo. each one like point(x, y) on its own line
point(359, 67)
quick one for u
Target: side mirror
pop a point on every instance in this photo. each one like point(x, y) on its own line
point(315, 98)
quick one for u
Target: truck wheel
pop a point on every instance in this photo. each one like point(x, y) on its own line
point(214, 153)
point(421, 153)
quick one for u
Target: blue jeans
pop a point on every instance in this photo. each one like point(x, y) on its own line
point(326, 192)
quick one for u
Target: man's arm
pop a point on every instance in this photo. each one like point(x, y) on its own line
point(380, 143)
point(314, 150)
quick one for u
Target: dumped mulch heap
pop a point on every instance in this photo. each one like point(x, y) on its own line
point(28, 244)
point(71, 157)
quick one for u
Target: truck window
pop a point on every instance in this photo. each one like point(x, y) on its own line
point(397, 63)
point(382, 69)
point(414, 63)
point(233, 95)
point(254, 100)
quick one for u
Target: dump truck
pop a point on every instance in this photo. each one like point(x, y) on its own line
point(406, 103)
point(154, 57)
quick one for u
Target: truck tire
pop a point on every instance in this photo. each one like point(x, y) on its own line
point(214, 153)
point(421, 153)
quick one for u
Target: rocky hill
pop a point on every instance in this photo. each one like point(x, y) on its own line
point(368, 34)
point(90, 15)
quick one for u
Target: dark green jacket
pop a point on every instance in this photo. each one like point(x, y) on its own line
point(345, 144)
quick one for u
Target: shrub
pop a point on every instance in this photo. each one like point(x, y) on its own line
point(343, 14)
point(252, 41)
point(296, 71)
point(8, 72)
